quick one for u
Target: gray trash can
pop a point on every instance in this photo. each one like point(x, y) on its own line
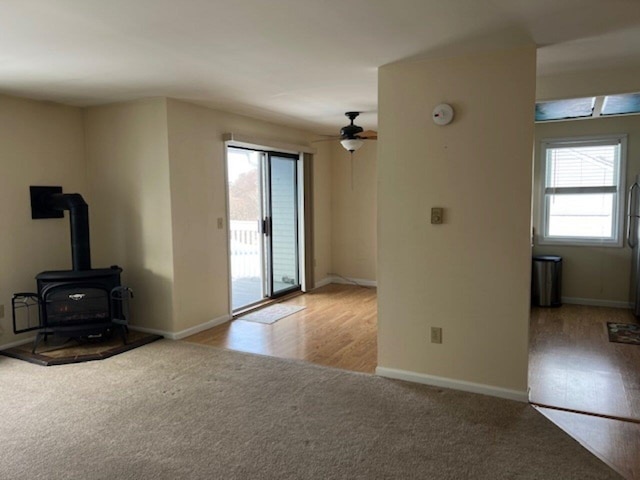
point(546, 281)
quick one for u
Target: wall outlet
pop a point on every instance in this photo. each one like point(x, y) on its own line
point(436, 335)
point(220, 223)
point(1, 311)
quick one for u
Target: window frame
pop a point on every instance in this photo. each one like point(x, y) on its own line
point(620, 189)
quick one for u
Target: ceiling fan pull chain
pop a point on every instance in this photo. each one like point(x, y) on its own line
point(351, 170)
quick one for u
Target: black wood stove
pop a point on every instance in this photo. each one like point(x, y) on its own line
point(82, 302)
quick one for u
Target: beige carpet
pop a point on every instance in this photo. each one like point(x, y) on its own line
point(173, 410)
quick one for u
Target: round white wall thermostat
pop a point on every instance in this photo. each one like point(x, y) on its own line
point(442, 114)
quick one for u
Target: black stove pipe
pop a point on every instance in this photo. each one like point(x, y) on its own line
point(79, 221)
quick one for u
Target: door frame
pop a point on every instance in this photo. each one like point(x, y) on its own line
point(291, 150)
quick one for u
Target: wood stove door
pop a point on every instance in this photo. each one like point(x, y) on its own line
point(76, 304)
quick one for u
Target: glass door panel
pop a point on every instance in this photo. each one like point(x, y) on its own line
point(283, 203)
point(244, 178)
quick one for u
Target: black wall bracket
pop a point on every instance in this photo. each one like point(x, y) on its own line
point(50, 202)
point(40, 204)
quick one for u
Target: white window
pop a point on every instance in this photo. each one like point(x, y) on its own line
point(583, 190)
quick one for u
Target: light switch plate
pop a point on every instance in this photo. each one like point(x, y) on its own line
point(436, 215)
point(220, 223)
point(436, 335)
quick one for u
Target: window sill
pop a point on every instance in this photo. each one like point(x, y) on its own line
point(572, 242)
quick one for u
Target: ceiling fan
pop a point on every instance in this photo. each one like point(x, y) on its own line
point(352, 136)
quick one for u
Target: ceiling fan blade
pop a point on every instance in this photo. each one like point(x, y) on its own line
point(368, 135)
point(327, 139)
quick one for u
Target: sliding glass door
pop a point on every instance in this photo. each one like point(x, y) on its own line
point(263, 225)
point(283, 238)
point(244, 178)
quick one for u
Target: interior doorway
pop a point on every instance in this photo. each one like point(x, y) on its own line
point(263, 199)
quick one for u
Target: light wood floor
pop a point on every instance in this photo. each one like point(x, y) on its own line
point(572, 365)
point(337, 329)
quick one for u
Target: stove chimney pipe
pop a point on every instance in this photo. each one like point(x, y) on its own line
point(79, 221)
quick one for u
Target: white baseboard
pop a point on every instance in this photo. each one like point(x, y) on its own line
point(345, 281)
point(184, 333)
point(596, 302)
point(154, 331)
point(444, 382)
point(17, 343)
point(353, 281)
point(323, 283)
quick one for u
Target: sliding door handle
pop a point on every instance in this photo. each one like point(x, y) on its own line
point(266, 226)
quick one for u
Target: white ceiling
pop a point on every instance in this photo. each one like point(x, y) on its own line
point(296, 62)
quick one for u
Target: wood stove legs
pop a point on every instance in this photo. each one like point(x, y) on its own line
point(123, 333)
point(37, 341)
point(80, 331)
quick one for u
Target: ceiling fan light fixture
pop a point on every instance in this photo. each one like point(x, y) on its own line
point(352, 144)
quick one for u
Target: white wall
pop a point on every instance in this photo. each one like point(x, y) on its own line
point(353, 211)
point(127, 161)
point(322, 215)
point(157, 183)
point(599, 274)
point(471, 275)
point(41, 143)
point(588, 83)
point(196, 151)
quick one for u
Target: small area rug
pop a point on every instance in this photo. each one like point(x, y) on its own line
point(272, 313)
point(57, 352)
point(624, 333)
